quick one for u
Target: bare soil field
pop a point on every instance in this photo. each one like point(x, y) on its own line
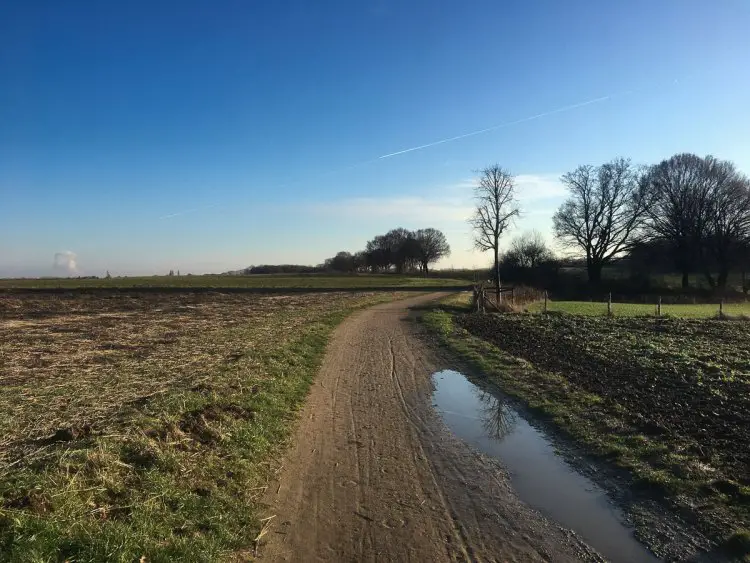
point(668, 399)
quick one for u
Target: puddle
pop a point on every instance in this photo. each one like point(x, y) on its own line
point(541, 478)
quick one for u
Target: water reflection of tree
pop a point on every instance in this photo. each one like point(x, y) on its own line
point(498, 419)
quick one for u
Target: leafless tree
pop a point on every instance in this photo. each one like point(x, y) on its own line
point(498, 419)
point(606, 207)
point(431, 247)
point(702, 210)
point(496, 207)
point(729, 227)
point(529, 250)
point(682, 207)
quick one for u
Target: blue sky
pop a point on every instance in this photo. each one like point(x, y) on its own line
point(207, 136)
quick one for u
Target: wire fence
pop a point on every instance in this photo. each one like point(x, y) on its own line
point(719, 309)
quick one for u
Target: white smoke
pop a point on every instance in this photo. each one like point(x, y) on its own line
point(66, 261)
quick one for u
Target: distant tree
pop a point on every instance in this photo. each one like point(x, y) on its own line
point(681, 210)
point(530, 260)
point(342, 262)
point(360, 261)
point(107, 276)
point(529, 250)
point(496, 207)
point(400, 247)
point(648, 256)
point(171, 273)
point(701, 209)
point(729, 227)
point(606, 207)
point(378, 254)
point(431, 246)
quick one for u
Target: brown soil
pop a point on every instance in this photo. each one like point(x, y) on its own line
point(372, 474)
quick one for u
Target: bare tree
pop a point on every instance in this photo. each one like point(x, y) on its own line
point(496, 207)
point(729, 227)
point(529, 250)
point(606, 207)
point(432, 246)
point(498, 419)
point(683, 212)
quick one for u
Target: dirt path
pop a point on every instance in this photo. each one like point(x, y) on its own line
point(374, 476)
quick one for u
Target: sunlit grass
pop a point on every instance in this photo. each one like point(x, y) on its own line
point(148, 427)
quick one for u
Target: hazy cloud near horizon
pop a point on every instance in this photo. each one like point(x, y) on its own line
point(66, 261)
point(453, 203)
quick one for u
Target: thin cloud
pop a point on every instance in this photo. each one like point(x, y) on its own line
point(451, 204)
point(535, 187)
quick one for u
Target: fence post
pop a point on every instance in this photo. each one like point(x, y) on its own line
point(721, 309)
point(545, 301)
point(658, 307)
point(609, 305)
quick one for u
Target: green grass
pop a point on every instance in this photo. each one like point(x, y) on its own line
point(170, 413)
point(689, 362)
point(311, 281)
point(698, 311)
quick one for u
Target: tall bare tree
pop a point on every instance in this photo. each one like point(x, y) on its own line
point(729, 227)
point(496, 206)
point(692, 201)
point(606, 207)
point(432, 246)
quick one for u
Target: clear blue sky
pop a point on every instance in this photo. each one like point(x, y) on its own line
point(209, 135)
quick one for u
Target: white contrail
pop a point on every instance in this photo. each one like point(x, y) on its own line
point(435, 143)
point(186, 211)
point(506, 124)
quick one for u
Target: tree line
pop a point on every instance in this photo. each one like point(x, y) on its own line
point(399, 250)
point(689, 211)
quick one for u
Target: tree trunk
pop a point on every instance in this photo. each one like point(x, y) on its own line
point(425, 269)
point(497, 273)
point(685, 279)
point(595, 272)
point(709, 278)
point(723, 277)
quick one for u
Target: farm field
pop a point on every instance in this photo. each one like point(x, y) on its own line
point(591, 308)
point(137, 424)
point(668, 399)
point(255, 281)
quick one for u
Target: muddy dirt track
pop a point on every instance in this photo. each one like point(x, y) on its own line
point(372, 474)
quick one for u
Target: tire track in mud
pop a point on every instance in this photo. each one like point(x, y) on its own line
point(372, 474)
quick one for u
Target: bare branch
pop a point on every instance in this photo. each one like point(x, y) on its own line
point(606, 208)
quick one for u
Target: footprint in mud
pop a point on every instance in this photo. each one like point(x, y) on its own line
point(392, 523)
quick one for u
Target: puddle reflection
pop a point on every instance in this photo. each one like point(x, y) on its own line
point(540, 477)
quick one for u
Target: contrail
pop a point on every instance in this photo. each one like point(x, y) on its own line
point(506, 124)
point(435, 143)
point(186, 211)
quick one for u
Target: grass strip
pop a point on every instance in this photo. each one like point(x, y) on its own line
point(604, 430)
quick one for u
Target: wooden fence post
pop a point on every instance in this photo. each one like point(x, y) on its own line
point(658, 307)
point(545, 301)
point(609, 305)
point(721, 309)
